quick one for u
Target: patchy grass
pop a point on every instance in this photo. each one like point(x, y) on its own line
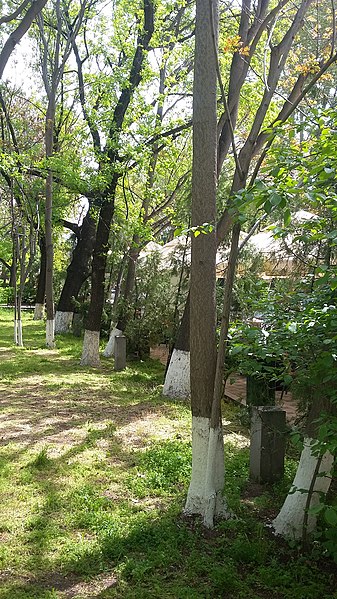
point(94, 469)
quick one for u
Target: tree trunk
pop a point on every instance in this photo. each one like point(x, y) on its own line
point(14, 38)
point(12, 275)
point(90, 353)
point(15, 283)
point(129, 283)
point(311, 483)
point(50, 117)
point(114, 332)
point(205, 490)
point(109, 350)
point(77, 274)
point(41, 286)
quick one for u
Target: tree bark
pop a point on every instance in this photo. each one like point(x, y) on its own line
point(205, 491)
point(177, 378)
point(77, 273)
point(49, 139)
point(90, 353)
point(129, 282)
point(313, 476)
point(123, 317)
point(312, 480)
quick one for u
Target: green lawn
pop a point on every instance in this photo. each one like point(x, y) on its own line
point(94, 470)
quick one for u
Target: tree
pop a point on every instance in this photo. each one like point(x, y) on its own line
point(78, 270)
point(111, 157)
point(18, 133)
point(205, 491)
point(299, 315)
point(256, 140)
point(54, 56)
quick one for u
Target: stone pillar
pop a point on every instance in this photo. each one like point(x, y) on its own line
point(120, 353)
point(267, 444)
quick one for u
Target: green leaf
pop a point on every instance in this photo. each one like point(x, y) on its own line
point(330, 516)
point(268, 206)
point(275, 199)
point(287, 217)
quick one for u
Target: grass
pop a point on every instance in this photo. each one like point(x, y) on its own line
point(94, 469)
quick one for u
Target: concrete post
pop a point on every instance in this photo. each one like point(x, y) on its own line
point(267, 444)
point(120, 353)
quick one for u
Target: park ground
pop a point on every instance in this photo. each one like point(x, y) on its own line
point(94, 469)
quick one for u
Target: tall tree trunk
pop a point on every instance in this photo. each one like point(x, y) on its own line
point(90, 353)
point(14, 38)
point(56, 48)
point(77, 273)
point(205, 490)
point(49, 138)
point(114, 332)
point(15, 282)
point(177, 378)
point(310, 485)
point(134, 251)
point(41, 285)
point(12, 275)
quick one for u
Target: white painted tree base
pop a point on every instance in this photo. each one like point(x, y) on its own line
point(204, 495)
point(289, 522)
point(50, 333)
point(90, 351)
point(38, 312)
point(110, 347)
point(177, 379)
point(63, 322)
point(18, 340)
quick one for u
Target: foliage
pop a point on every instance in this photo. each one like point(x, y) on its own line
point(151, 307)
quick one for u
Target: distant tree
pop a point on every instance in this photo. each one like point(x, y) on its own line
point(55, 46)
point(109, 161)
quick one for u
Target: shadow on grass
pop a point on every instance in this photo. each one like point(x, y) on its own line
point(121, 544)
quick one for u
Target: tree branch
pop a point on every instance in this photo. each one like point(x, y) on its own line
point(18, 33)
